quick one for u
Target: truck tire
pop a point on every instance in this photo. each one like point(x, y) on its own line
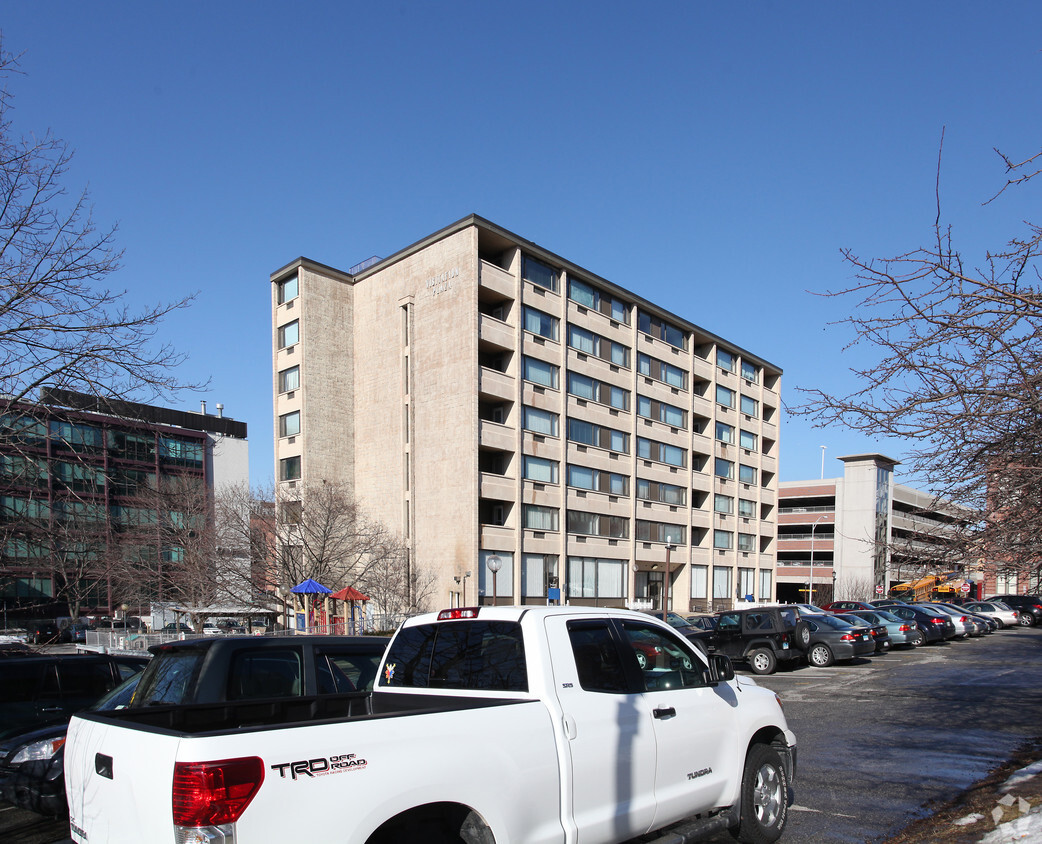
point(762, 661)
point(765, 793)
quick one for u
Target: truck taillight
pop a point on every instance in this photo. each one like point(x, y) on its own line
point(215, 793)
point(458, 612)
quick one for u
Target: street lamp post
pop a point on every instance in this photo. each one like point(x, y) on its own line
point(494, 565)
point(810, 592)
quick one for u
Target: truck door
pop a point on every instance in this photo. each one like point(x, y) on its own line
point(611, 744)
point(694, 724)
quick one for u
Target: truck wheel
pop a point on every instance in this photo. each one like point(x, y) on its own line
point(762, 661)
point(802, 635)
point(765, 792)
point(820, 656)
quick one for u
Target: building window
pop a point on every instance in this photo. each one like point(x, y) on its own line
point(289, 334)
point(721, 582)
point(700, 582)
point(539, 372)
point(539, 518)
point(584, 387)
point(749, 372)
point(665, 493)
point(539, 421)
point(538, 573)
point(591, 577)
point(286, 289)
point(598, 524)
point(289, 424)
point(746, 474)
point(726, 361)
point(661, 532)
point(723, 468)
point(746, 583)
point(746, 508)
point(77, 436)
point(725, 433)
point(289, 379)
point(723, 504)
point(661, 330)
point(747, 543)
point(539, 469)
point(591, 297)
point(749, 406)
point(540, 274)
point(586, 433)
point(766, 591)
point(661, 452)
point(289, 469)
point(747, 439)
point(661, 371)
point(601, 347)
point(661, 412)
point(723, 539)
point(584, 477)
point(540, 323)
point(724, 396)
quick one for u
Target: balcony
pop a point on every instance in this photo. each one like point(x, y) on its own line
point(497, 385)
point(498, 487)
point(497, 538)
point(494, 435)
point(498, 280)
point(495, 332)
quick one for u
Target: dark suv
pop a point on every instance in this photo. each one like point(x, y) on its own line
point(1028, 607)
point(761, 636)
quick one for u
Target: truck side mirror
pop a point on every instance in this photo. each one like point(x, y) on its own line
point(719, 671)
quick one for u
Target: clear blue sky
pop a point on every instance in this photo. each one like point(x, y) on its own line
point(712, 158)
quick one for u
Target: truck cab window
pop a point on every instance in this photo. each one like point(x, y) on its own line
point(597, 659)
point(664, 662)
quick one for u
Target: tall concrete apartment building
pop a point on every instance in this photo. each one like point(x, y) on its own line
point(855, 536)
point(487, 398)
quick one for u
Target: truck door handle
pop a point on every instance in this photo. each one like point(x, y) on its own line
point(668, 712)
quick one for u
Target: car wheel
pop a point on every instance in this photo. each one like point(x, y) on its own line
point(802, 634)
point(764, 799)
point(917, 639)
point(642, 660)
point(762, 661)
point(1025, 619)
point(820, 656)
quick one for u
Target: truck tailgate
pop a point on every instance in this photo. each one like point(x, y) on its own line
point(118, 782)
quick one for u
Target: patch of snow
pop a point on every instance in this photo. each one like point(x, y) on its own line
point(1025, 828)
point(966, 821)
point(1021, 776)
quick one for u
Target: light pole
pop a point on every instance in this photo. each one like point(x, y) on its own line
point(665, 603)
point(810, 592)
point(494, 565)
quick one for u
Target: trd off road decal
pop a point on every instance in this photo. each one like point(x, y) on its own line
point(320, 767)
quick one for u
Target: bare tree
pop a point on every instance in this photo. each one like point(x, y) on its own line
point(956, 372)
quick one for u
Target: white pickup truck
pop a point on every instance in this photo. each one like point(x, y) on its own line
point(486, 726)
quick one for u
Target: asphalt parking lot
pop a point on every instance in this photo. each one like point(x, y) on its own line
point(879, 739)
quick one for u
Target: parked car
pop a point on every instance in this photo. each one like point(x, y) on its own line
point(843, 606)
point(42, 632)
point(1029, 607)
point(900, 631)
point(32, 769)
point(832, 639)
point(880, 635)
point(75, 632)
point(762, 637)
point(935, 626)
point(230, 626)
point(1002, 613)
point(888, 602)
point(177, 627)
point(965, 627)
point(46, 689)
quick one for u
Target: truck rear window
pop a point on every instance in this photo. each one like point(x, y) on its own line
point(478, 655)
point(167, 678)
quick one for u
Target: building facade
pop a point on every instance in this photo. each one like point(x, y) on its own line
point(856, 536)
point(77, 472)
point(486, 398)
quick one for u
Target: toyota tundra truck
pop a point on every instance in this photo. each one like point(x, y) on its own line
point(488, 725)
